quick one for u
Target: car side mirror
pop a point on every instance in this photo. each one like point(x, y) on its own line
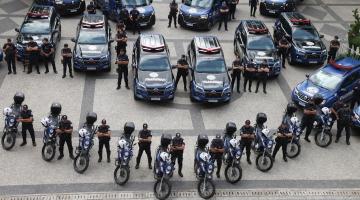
point(307, 76)
point(111, 41)
point(343, 90)
point(242, 45)
point(17, 30)
point(321, 36)
point(72, 39)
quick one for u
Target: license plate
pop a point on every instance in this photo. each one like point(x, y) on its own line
point(155, 99)
point(212, 101)
point(301, 103)
point(189, 24)
point(73, 10)
point(272, 11)
point(313, 62)
point(91, 68)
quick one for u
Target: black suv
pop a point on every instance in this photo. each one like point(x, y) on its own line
point(307, 47)
point(40, 22)
point(65, 7)
point(153, 78)
point(210, 81)
point(252, 40)
point(274, 7)
point(92, 50)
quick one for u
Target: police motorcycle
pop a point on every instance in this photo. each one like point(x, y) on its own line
point(293, 149)
point(322, 126)
point(163, 168)
point(51, 124)
point(124, 154)
point(232, 155)
point(86, 141)
point(264, 144)
point(204, 168)
point(11, 114)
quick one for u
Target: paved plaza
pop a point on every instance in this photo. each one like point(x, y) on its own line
point(313, 175)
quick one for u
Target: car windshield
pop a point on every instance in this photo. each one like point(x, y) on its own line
point(305, 33)
point(41, 26)
point(260, 43)
point(154, 63)
point(211, 66)
point(92, 37)
point(199, 3)
point(325, 80)
point(136, 3)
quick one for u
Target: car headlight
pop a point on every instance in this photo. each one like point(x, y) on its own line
point(19, 46)
point(140, 86)
point(78, 56)
point(204, 16)
point(105, 57)
point(198, 88)
point(302, 51)
point(59, 1)
point(296, 91)
point(153, 12)
point(226, 89)
point(170, 86)
point(356, 116)
point(324, 51)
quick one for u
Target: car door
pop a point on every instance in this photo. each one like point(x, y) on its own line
point(242, 44)
point(346, 89)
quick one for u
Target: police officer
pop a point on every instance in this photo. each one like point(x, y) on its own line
point(26, 118)
point(289, 113)
point(120, 26)
point(283, 46)
point(334, 47)
point(216, 152)
point(249, 74)
point(308, 119)
point(65, 131)
point(66, 60)
point(134, 20)
point(122, 61)
point(232, 8)
point(10, 53)
point(33, 51)
point(282, 139)
point(237, 68)
point(263, 73)
point(356, 95)
point(144, 145)
point(346, 117)
point(47, 52)
point(334, 111)
point(183, 67)
point(173, 12)
point(121, 40)
point(247, 133)
point(104, 134)
point(124, 15)
point(91, 8)
point(177, 151)
point(253, 6)
point(224, 11)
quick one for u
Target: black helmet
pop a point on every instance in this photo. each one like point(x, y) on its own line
point(202, 140)
point(261, 118)
point(291, 108)
point(165, 140)
point(177, 135)
point(230, 128)
point(317, 99)
point(91, 118)
point(19, 97)
point(55, 109)
point(129, 128)
point(218, 136)
point(64, 117)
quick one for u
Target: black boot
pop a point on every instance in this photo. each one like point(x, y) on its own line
point(150, 167)
point(100, 156)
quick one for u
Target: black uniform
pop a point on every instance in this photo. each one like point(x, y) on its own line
point(104, 140)
point(246, 143)
point(27, 126)
point(33, 57)
point(224, 11)
point(46, 48)
point(333, 50)
point(91, 8)
point(66, 61)
point(144, 146)
point(232, 8)
point(344, 121)
point(10, 56)
point(121, 44)
point(253, 6)
point(181, 73)
point(283, 51)
point(135, 20)
point(249, 74)
point(173, 12)
point(122, 69)
point(177, 154)
point(219, 144)
point(356, 95)
point(124, 15)
point(336, 106)
point(281, 141)
point(262, 77)
point(236, 75)
point(307, 121)
point(65, 125)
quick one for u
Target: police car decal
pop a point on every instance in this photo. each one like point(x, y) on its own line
point(309, 43)
point(312, 90)
point(210, 77)
point(92, 48)
point(192, 10)
point(261, 53)
point(155, 79)
point(153, 74)
point(141, 10)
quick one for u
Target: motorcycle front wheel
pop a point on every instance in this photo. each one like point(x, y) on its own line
point(81, 163)
point(323, 138)
point(162, 188)
point(8, 140)
point(264, 162)
point(293, 150)
point(48, 152)
point(121, 175)
point(206, 188)
point(233, 173)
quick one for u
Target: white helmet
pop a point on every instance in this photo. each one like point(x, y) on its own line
point(122, 143)
point(294, 121)
point(233, 142)
point(7, 111)
point(45, 121)
point(164, 156)
point(204, 156)
point(325, 110)
point(266, 132)
point(82, 132)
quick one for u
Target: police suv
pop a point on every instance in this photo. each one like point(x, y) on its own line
point(306, 44)
point(210, 81)
point(253, 41)
point(153, 78)
point(92, 44)
point(199, 14)
point(40, 22)
point(271, 7)
point(65, 7)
